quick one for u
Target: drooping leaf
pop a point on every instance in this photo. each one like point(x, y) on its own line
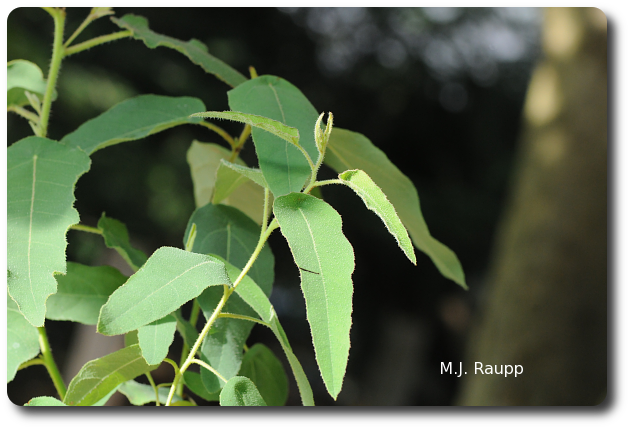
point(377, 201)
point(82, 292)
point(194, 383)
point(170, 278)
point(204, 160)
point(349, 150)
point(279, 129)
point(24, 76)
point(264, 369)
point(22, 339)
point(285, 168)
point(253, 174)
point(241, 392)
point(100, 376)
point(116, 237)
point(41, 175)
point(156, 338)
point(44, 401)
point(133, 119)
point(326, 262)
point(196, 51)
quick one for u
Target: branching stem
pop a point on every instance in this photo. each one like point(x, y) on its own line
point(59, 17)
point(80, 47)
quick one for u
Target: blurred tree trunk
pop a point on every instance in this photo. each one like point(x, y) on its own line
point(545, 303)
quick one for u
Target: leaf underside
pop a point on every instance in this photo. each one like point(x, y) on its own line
point(22, 339)
point(242, 392)
point(265, 370)
point(116, 237)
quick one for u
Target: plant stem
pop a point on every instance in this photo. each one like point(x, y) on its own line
point(322, 183)
point(34, 361)
point(85, 228)
point(59, 16)
point(50, 364)
point(209, 368)
point(27, 114)
point(87, 21)
point(79, 47)
point(152, 383)
point(220, 131)
point(242, 317)
point(194, 315)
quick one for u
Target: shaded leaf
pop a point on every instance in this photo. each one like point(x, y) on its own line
point(349, 150)
point(170, 278)
point(101, 402)
point(326, 262)
point(22, 339)
point(131, 338)
point(116, 237)
point(98, 377)
point(41, 175)
point(185, 329)
point(140, 394)
point(253, 174)
point(196, 51)
point(265, 370)
point(133, 119)
point(240, 391)
point(156, 338)
point(194, 383)
point(375, 200)
point(44, 401)
point(82, 292)
point(285, 168)
point(24, 76)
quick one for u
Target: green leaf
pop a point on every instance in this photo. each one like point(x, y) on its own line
point(44, 401)
point(82, 292)
point(170, 278)
point(100, 376)
point(228, 233)
point(133, 119)
point(204, 160)
point(140, 394)
point(285, 168)
point(131, 338)
point(24, 76)
point(101, 402)
point(194, 383)
point(263, 367)
point(375, 200)
point(253, 174)
point(196, 51)
point(348, 150)
point(290, 134)
point(22, 339)
point(156, 338)
point(326, 262)
point(254, 296)
point(41, 175)
point(241, 392)
point(185, 329)
point(116, 237)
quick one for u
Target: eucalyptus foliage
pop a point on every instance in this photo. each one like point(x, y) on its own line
point(225, 267)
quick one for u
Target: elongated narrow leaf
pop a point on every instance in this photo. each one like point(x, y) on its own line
point(116, 237)
point(375, 200)
point(348, 150)
point(265, 370)
point(170, 278)
point(156, 338)
point(140, 394)
point(254, 296)
point(279, 129)
point(133, 119)
point(204, 160)
point(241, 392)
point(41, 175)
point(82, 292)
point(100, 376)
point(196, 51)
point(326, 262)
point(285, 168)
point(193, 381)
point(44, 401)
point(22, 339)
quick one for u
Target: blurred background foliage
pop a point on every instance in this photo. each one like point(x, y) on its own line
point(439, 90)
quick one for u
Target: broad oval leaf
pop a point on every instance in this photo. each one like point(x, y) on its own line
point(133, 119)
point(241, 392)
point(279, 129)
point(24, 76)
point(348, 150)
point(170, 278)
point(196, 51)
point(44, 401)
point(99, 377)
point(326, 262)
point(265, 370)
point(116, 237)
point(193, 381)
point(375, 200)
point(285, 168)
point(156, 338)
point(41, 175)
point(140, 394)
point(22, 339)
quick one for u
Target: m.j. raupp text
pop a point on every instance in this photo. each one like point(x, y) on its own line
point(480, 368)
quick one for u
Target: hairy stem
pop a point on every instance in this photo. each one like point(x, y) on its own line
point(220, 131)
point(59, 16)
point(243, 317)
point(49, 363)
point(79, 47)
point(155, 389)
point(85, 228)
point(310, 187)
point(34, 361)
point(27, 114)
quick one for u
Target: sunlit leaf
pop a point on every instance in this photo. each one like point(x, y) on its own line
point(241, 391)
point(285, 168)
point(24, 76)
point(41, 175)
point(98, 377)
point(156, 338)
point(133, 119)
point(140, 394)
point(44, 401)
point(22, 339)
point(196, 51)
point(326, 262)
point(348, 150)
point(170, 278)
point(116, 237)
point(375, 200)
point(263, 367)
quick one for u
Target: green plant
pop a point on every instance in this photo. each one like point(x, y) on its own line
point(225, 267)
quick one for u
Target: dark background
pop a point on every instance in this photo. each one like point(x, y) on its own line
point(439, 90)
